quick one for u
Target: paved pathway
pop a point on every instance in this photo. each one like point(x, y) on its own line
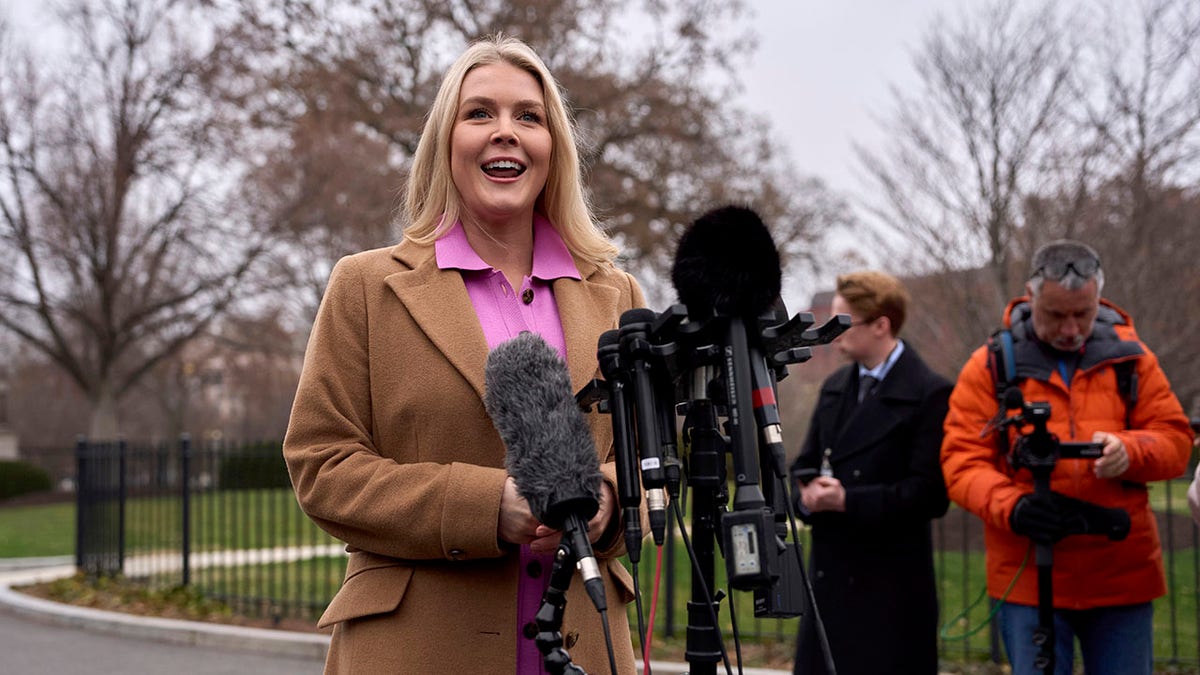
point(39, 637)
point(34, 648)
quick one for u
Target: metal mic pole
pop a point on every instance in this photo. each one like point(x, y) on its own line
point(706, 476)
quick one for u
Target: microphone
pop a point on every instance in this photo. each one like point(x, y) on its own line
point(1013, 399)
point(629, 489)
point(551, 455)
point(726, 267)
point(635, 353)
point(726, 264)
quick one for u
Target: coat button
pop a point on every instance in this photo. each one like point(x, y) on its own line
point(857, 473)
point(534, 569)
point(527, 296)
point(530, 630)
point(455, 553)
point(572, 638)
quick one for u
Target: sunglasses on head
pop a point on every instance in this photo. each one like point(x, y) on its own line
point(1055, 271)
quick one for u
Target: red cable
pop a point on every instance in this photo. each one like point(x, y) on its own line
point(653, 606)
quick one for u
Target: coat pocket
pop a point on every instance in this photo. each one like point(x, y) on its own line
point(373, 590)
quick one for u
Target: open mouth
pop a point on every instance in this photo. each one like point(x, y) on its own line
point(504, 168)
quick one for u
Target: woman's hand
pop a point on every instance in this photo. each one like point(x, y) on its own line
point(545, 539)
point(517, 524)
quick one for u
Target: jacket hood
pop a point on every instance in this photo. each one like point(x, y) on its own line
point(1019, 310)
point(1113, 339)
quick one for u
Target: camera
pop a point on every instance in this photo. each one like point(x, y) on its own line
point(1039, 451)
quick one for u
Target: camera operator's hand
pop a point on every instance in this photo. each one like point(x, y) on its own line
point(1037, 518)
point(1115, 459)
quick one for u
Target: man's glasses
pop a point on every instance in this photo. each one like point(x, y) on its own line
point(1056, 271)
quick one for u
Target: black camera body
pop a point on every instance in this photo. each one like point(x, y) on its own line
point(1039, 451)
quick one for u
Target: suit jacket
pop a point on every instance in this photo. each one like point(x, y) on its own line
point(872, 565)
point(390, 450)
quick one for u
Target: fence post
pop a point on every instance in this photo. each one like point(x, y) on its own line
point(122, 496)
point(185, 453)
point(81, 494)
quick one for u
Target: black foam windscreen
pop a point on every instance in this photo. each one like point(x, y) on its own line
point(551, 455)
point(727, 263)
point(1013, 399)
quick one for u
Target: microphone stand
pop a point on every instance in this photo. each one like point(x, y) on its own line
point(549, 617)
point(706, 477)
point(1036, 451)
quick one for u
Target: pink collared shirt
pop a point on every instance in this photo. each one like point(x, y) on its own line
point(503, 313)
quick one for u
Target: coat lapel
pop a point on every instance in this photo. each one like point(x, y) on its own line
point(586, 310)
point(437, 300)
point(875, 417)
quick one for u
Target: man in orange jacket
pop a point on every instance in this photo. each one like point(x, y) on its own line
point(1067, 341)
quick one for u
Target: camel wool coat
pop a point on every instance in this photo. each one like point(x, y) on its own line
point(391, 451)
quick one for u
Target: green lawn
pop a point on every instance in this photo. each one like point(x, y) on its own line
point(32, 531)
point(263, 518)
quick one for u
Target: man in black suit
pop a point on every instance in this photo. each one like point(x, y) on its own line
point(869, 482)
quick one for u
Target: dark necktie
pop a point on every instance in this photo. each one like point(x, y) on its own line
point(866, 386)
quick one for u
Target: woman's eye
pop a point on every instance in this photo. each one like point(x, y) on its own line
point(477, 114)
point(530, 116)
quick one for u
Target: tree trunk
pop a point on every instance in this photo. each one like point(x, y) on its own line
point(103, 423)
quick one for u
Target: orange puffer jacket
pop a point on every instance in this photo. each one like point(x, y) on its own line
point(1089, 571)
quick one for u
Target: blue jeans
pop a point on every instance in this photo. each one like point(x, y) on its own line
point(1113, 640)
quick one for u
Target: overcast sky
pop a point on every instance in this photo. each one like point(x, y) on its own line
point(824, 67)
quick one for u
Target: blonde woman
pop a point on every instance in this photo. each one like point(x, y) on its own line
point(389, 446)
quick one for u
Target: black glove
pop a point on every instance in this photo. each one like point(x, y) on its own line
point(1037, 518)
point(1047, 521)
point(1080, 517)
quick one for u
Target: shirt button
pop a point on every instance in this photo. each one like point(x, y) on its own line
point(530, 630)
point(534, 569)
point(527, 295)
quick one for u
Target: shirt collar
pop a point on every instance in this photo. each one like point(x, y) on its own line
point(551, 259)
point(880, 371)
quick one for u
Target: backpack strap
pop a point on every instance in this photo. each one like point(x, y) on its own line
point(1004, 374)
point(1127, 385)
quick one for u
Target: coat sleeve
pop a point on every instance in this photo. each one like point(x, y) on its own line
point(1159, 441)
point(421, 510)
point(971, 463)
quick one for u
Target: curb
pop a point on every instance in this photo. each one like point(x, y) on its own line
point(309, 646)
point(177, 631)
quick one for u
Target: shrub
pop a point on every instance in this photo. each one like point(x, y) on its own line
point(255, 466)
point(21, 478)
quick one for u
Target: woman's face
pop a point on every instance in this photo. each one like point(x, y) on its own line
point(500, 145)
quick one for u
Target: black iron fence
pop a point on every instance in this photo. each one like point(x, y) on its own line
point(222, 518)
point(217, 516)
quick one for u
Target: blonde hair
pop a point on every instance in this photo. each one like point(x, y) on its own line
point(431, 191)
point(875, 294)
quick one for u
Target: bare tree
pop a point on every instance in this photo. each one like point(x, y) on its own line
point(964, 150)
point(118, 242)
point(1144, 113)
point(650, 84)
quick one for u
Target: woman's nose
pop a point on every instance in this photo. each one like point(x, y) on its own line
point(505, 133)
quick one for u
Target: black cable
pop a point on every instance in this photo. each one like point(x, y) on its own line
point(708, 601)
point(612, 659)
point(737, 641)
point(822, 638)
point(637, 599)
